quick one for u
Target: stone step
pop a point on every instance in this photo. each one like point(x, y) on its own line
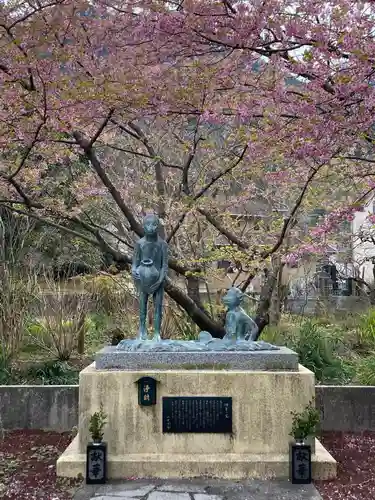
point(198, 489)
point(173, 465)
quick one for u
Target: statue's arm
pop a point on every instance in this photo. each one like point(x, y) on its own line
point(136, 260)
point(164, 266)
point(252, 329)
point(230, 325)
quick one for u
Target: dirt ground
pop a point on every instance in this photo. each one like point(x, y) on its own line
point(28, 466)
point(355, 454)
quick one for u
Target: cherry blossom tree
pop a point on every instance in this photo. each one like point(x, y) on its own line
point(231, 120)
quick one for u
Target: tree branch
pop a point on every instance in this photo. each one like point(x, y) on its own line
point(203, 191)
point(224, 231)
point(48, 222)
point(91, 156)
point(101, 128)
point(220, 175)
point(190, 158)
point(358, 158)
point(197, 315)
point(159, 177)
point(229, 6)
point(26, 200)
point(144, 155)
point(290, 218)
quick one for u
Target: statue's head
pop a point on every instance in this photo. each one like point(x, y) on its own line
point(151, 224)
point(233, 298)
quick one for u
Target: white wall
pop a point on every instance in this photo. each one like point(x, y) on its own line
point(363, 250)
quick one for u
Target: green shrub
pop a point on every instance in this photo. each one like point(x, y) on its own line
point(366, 370)
point(98, 331)
point(317, 351)
point(97, 423)
point(61, 325)
point(6, 374)
point(276, 335)
point(113, 295)
point(57, 335)
point(305, 423)
point(366, 331)
point(52, 373)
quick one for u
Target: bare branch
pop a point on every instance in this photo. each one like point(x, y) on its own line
point(54, 224)
point(101, 128)
point(90, 154)
point(26, 200)
point(203, 191)
point(30, 14)
point(197, 315)
point(220, 175)
point(160, 185)
point(125, 129)
point(36, 135)
point(357, 158)
point(144, 155)
point(189, 160)
point(288, 221)
point(224, 231)
point(229, 6)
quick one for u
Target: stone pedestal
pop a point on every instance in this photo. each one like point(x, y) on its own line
point(283, 359)
point(257, 447)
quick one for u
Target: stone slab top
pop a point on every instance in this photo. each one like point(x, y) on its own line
point(282, 359)
point(198, 489)
point(205, 343)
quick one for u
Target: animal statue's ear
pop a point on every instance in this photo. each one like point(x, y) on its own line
point(240, 295)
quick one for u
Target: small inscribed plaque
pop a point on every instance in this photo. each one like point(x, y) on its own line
point(197, 414)
point(301, 464)
point(146, 391)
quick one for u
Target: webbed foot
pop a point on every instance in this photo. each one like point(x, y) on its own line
point(142, 335)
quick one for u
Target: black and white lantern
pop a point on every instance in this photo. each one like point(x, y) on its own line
point(300, 463)
point(96, 463)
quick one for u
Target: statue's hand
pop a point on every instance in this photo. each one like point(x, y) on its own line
point(135, 274)
point(155, 287)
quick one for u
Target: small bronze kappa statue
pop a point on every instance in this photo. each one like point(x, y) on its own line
point(149, 270)
point(238, 325)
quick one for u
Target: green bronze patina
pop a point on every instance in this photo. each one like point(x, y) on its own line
point(149, 270)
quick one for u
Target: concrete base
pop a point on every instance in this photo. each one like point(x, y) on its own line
point(258, 446)
point(232, 466)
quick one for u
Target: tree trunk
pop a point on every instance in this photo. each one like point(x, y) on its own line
point(81, 335)
point(262, 314)
point(277, 293)
point(200, 317)
point(371, 296)
point(193, 291)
